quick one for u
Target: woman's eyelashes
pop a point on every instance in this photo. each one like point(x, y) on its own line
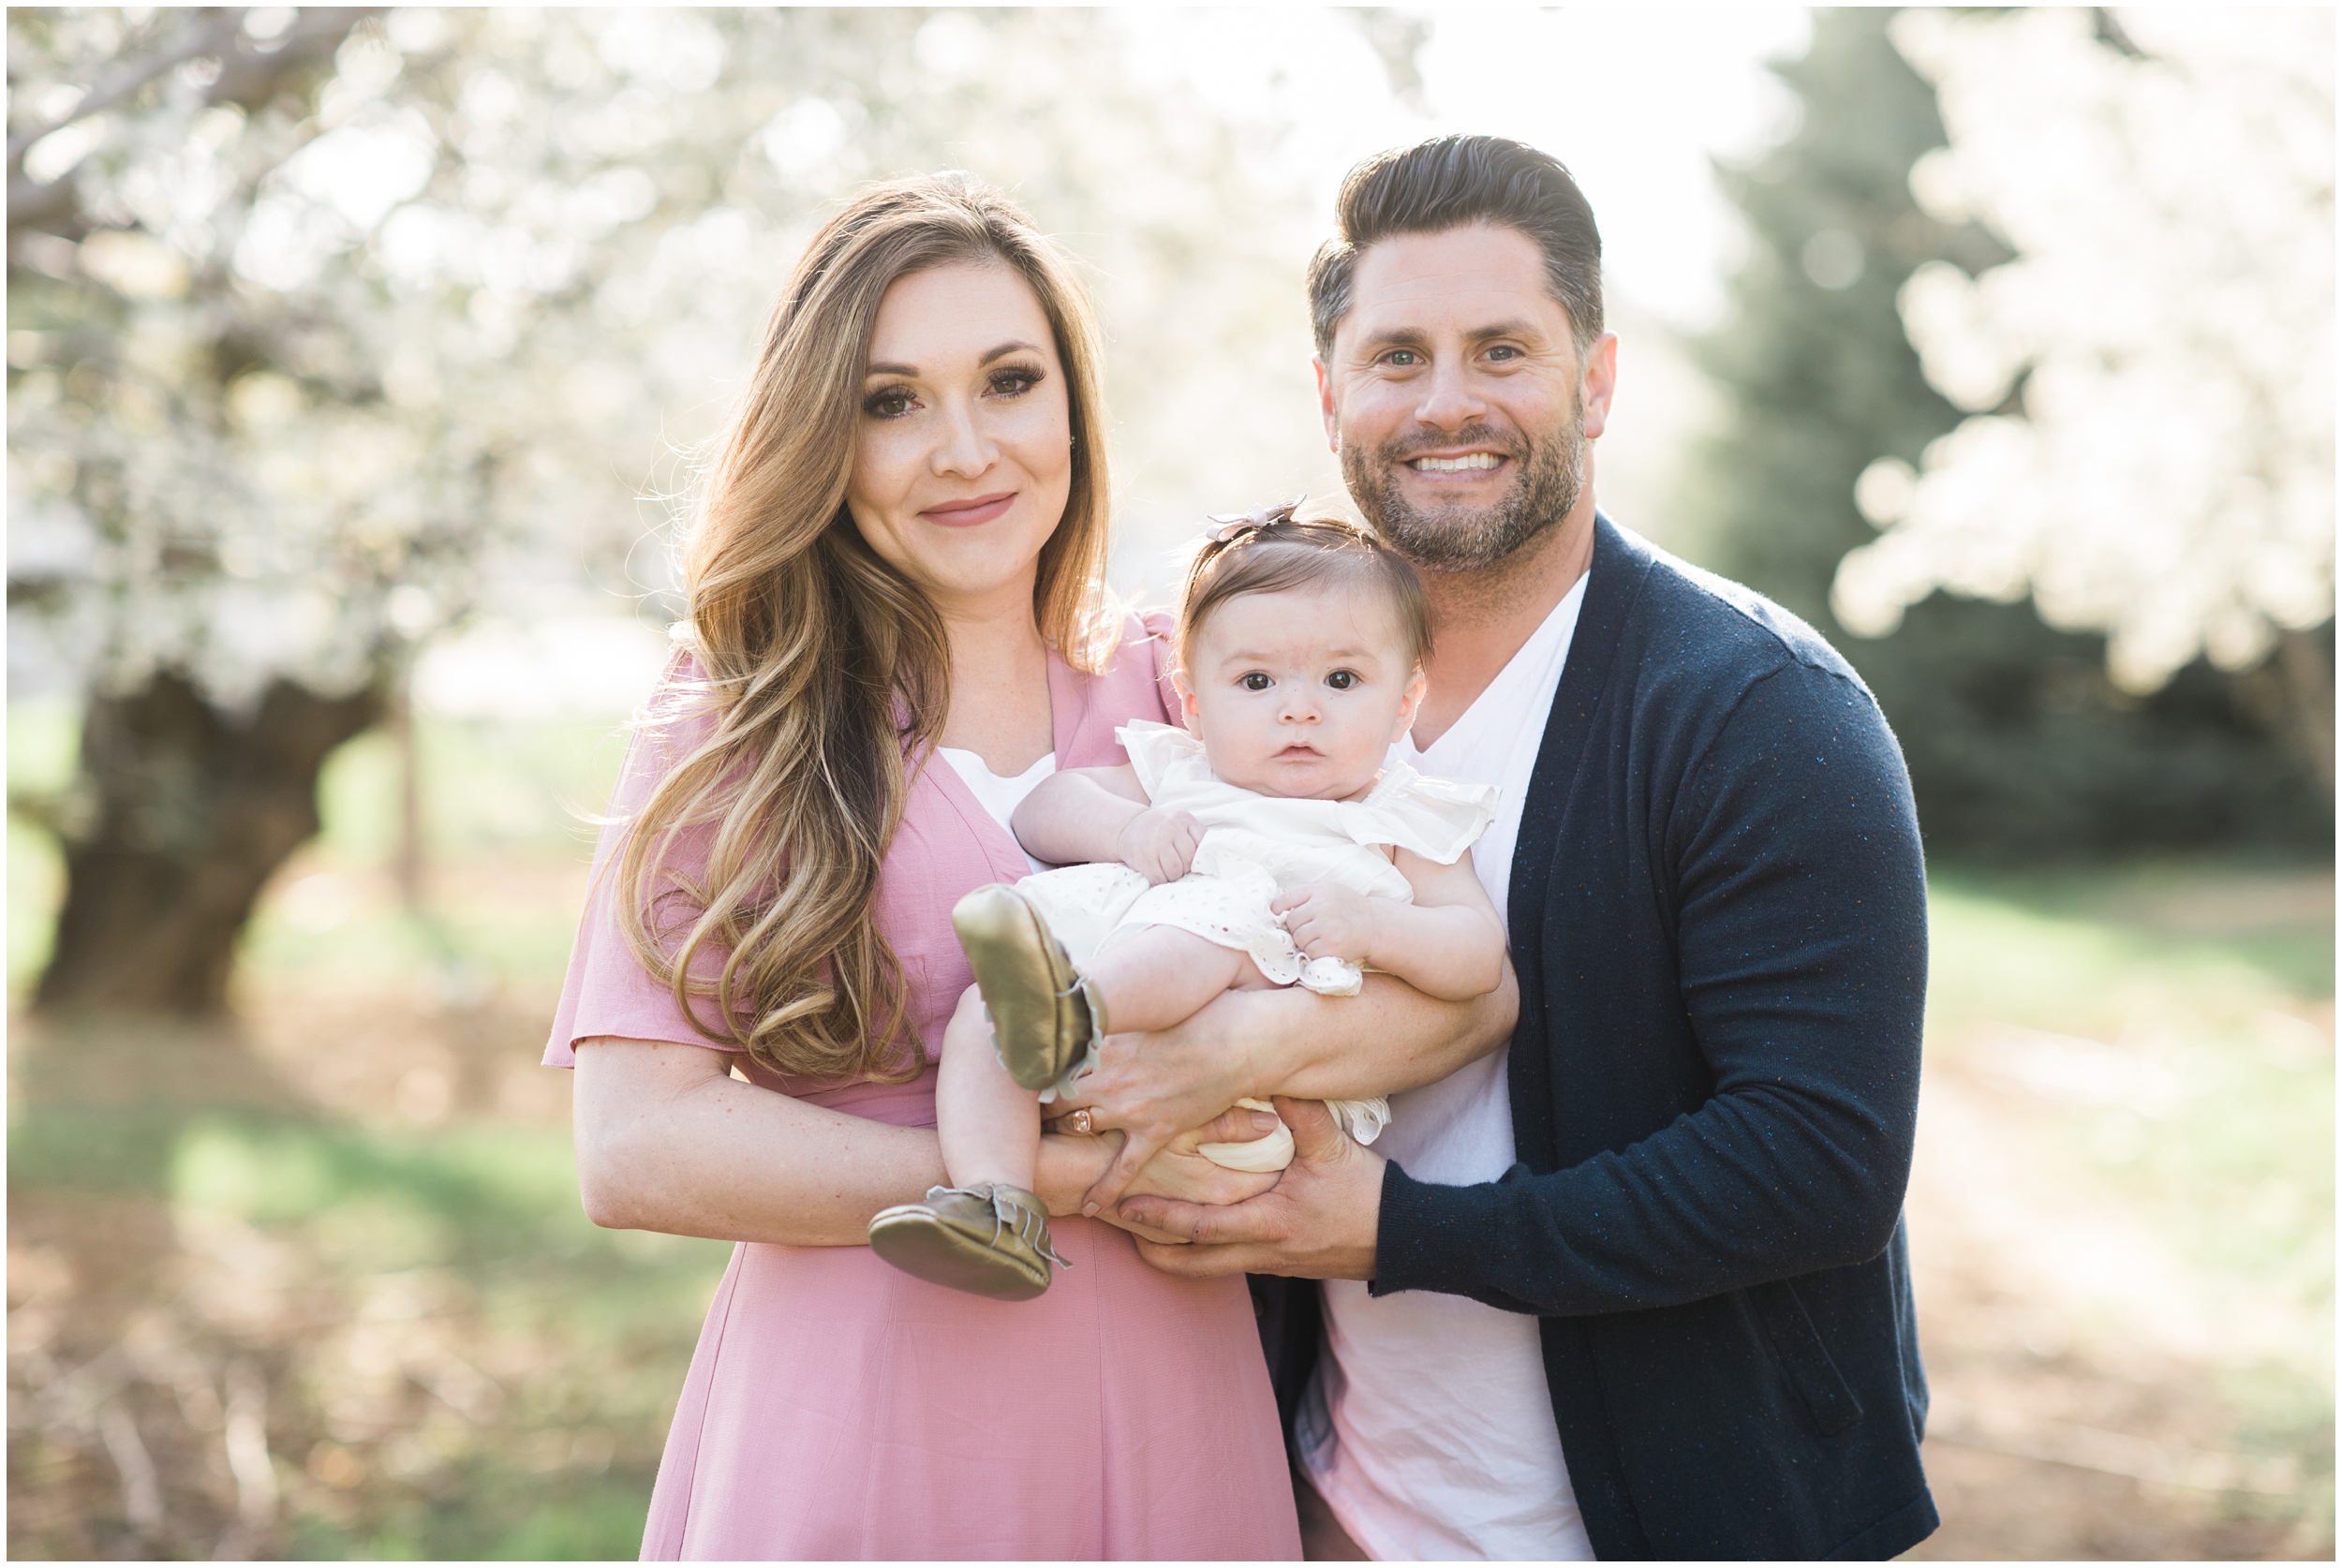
point(1008, 382)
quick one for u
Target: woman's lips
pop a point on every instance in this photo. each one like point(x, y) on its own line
point(966, 514)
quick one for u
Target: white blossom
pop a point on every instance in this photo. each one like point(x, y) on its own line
point(2165, 470)
point(317, 379)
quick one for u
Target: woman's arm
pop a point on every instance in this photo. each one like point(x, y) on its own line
point(1291, 1042)
point(667, 1140)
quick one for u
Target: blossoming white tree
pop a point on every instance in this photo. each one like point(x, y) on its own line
point(2151, 454)
point(326, 324)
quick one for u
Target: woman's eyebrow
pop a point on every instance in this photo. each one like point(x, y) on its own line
point(1014, 346)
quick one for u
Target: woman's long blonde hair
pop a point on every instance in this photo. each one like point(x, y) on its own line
point(827, 671)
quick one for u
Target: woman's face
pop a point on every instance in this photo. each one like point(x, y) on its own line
point(963, 456)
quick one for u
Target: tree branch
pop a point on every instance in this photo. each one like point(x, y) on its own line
point(249, 76)
point(212, 31)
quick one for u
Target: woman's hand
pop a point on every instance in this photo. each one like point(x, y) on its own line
point(1158, 844)
point(1247, 1045)
point(1178, 1173)
point(1156, 1086)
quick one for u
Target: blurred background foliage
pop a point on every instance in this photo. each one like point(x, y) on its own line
point(356, 361)
point(2020, 744)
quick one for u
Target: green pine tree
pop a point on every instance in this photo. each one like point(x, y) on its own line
point(2018, 743)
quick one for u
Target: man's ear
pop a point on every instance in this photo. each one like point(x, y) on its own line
point(1325, 405)
point(1601, 383)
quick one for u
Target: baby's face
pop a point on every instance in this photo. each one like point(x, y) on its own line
point(1300, 694)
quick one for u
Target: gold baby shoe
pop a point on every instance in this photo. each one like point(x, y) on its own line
point(991, 1240)
point(1045, 1014)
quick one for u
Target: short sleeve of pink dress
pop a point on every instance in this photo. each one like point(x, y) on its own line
point(837, 1407)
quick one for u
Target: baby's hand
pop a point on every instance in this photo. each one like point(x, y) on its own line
point(1326, 920)
point(1159, 845)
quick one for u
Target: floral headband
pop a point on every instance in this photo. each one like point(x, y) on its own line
point(1226, 530)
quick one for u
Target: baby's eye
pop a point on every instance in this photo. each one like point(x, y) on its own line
point(1343, 680)
point(1256, 682)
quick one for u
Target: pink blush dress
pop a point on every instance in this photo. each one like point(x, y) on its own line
point(837, 1407)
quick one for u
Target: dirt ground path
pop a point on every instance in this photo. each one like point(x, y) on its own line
point(2102, 1390)
point(2081, 1368)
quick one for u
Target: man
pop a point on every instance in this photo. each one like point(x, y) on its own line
point(1634, 1285)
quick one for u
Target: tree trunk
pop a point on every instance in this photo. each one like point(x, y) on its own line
point(194, 811)
point(408, 864)
point(2305, 663)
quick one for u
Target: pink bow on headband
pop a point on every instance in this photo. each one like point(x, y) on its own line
point(1225, 530)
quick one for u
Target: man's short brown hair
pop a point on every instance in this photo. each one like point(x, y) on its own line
point(1450, 182)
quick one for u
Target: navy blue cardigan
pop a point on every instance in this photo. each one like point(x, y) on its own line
point(1719, 920)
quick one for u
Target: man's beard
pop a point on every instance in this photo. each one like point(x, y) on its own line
point(1552, 474)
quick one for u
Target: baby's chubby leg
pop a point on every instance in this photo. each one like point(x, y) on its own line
point(990, 1128)
point(1161, 975)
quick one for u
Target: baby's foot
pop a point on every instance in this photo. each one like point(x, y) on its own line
point(991, 1240)
point(1271, 1153)
point(1046, 1015)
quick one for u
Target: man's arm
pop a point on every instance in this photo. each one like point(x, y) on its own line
point(1801, 946)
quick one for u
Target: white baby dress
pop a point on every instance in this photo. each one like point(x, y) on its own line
point(1254, 848)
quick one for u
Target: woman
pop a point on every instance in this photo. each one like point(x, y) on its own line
point(894, 630)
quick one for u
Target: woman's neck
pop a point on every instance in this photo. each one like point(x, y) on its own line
point(999, 684)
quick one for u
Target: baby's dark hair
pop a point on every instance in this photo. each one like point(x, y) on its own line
point(1272, 551)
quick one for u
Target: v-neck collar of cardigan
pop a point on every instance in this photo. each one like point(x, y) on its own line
point(1621, 562)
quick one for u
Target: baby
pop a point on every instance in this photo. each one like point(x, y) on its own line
point(1266, 845)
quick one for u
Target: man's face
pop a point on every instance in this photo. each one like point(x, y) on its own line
point(1455, 398)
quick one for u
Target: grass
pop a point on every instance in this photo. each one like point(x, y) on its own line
point(458, 1364)
point(2140, 1241)
point(363, 1194)
point(2209, 1100)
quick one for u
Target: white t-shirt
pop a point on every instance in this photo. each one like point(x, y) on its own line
point(1000, 797)
point(1429, 1429)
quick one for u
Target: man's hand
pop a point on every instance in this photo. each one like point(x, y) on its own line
point(1326, 920)
point(1318, 1222)
point(1158, 844)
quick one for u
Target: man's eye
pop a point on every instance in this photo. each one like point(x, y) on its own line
point(1343, 680)
point(1257, 682)
point(1504, 351)
point(1406, 358)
